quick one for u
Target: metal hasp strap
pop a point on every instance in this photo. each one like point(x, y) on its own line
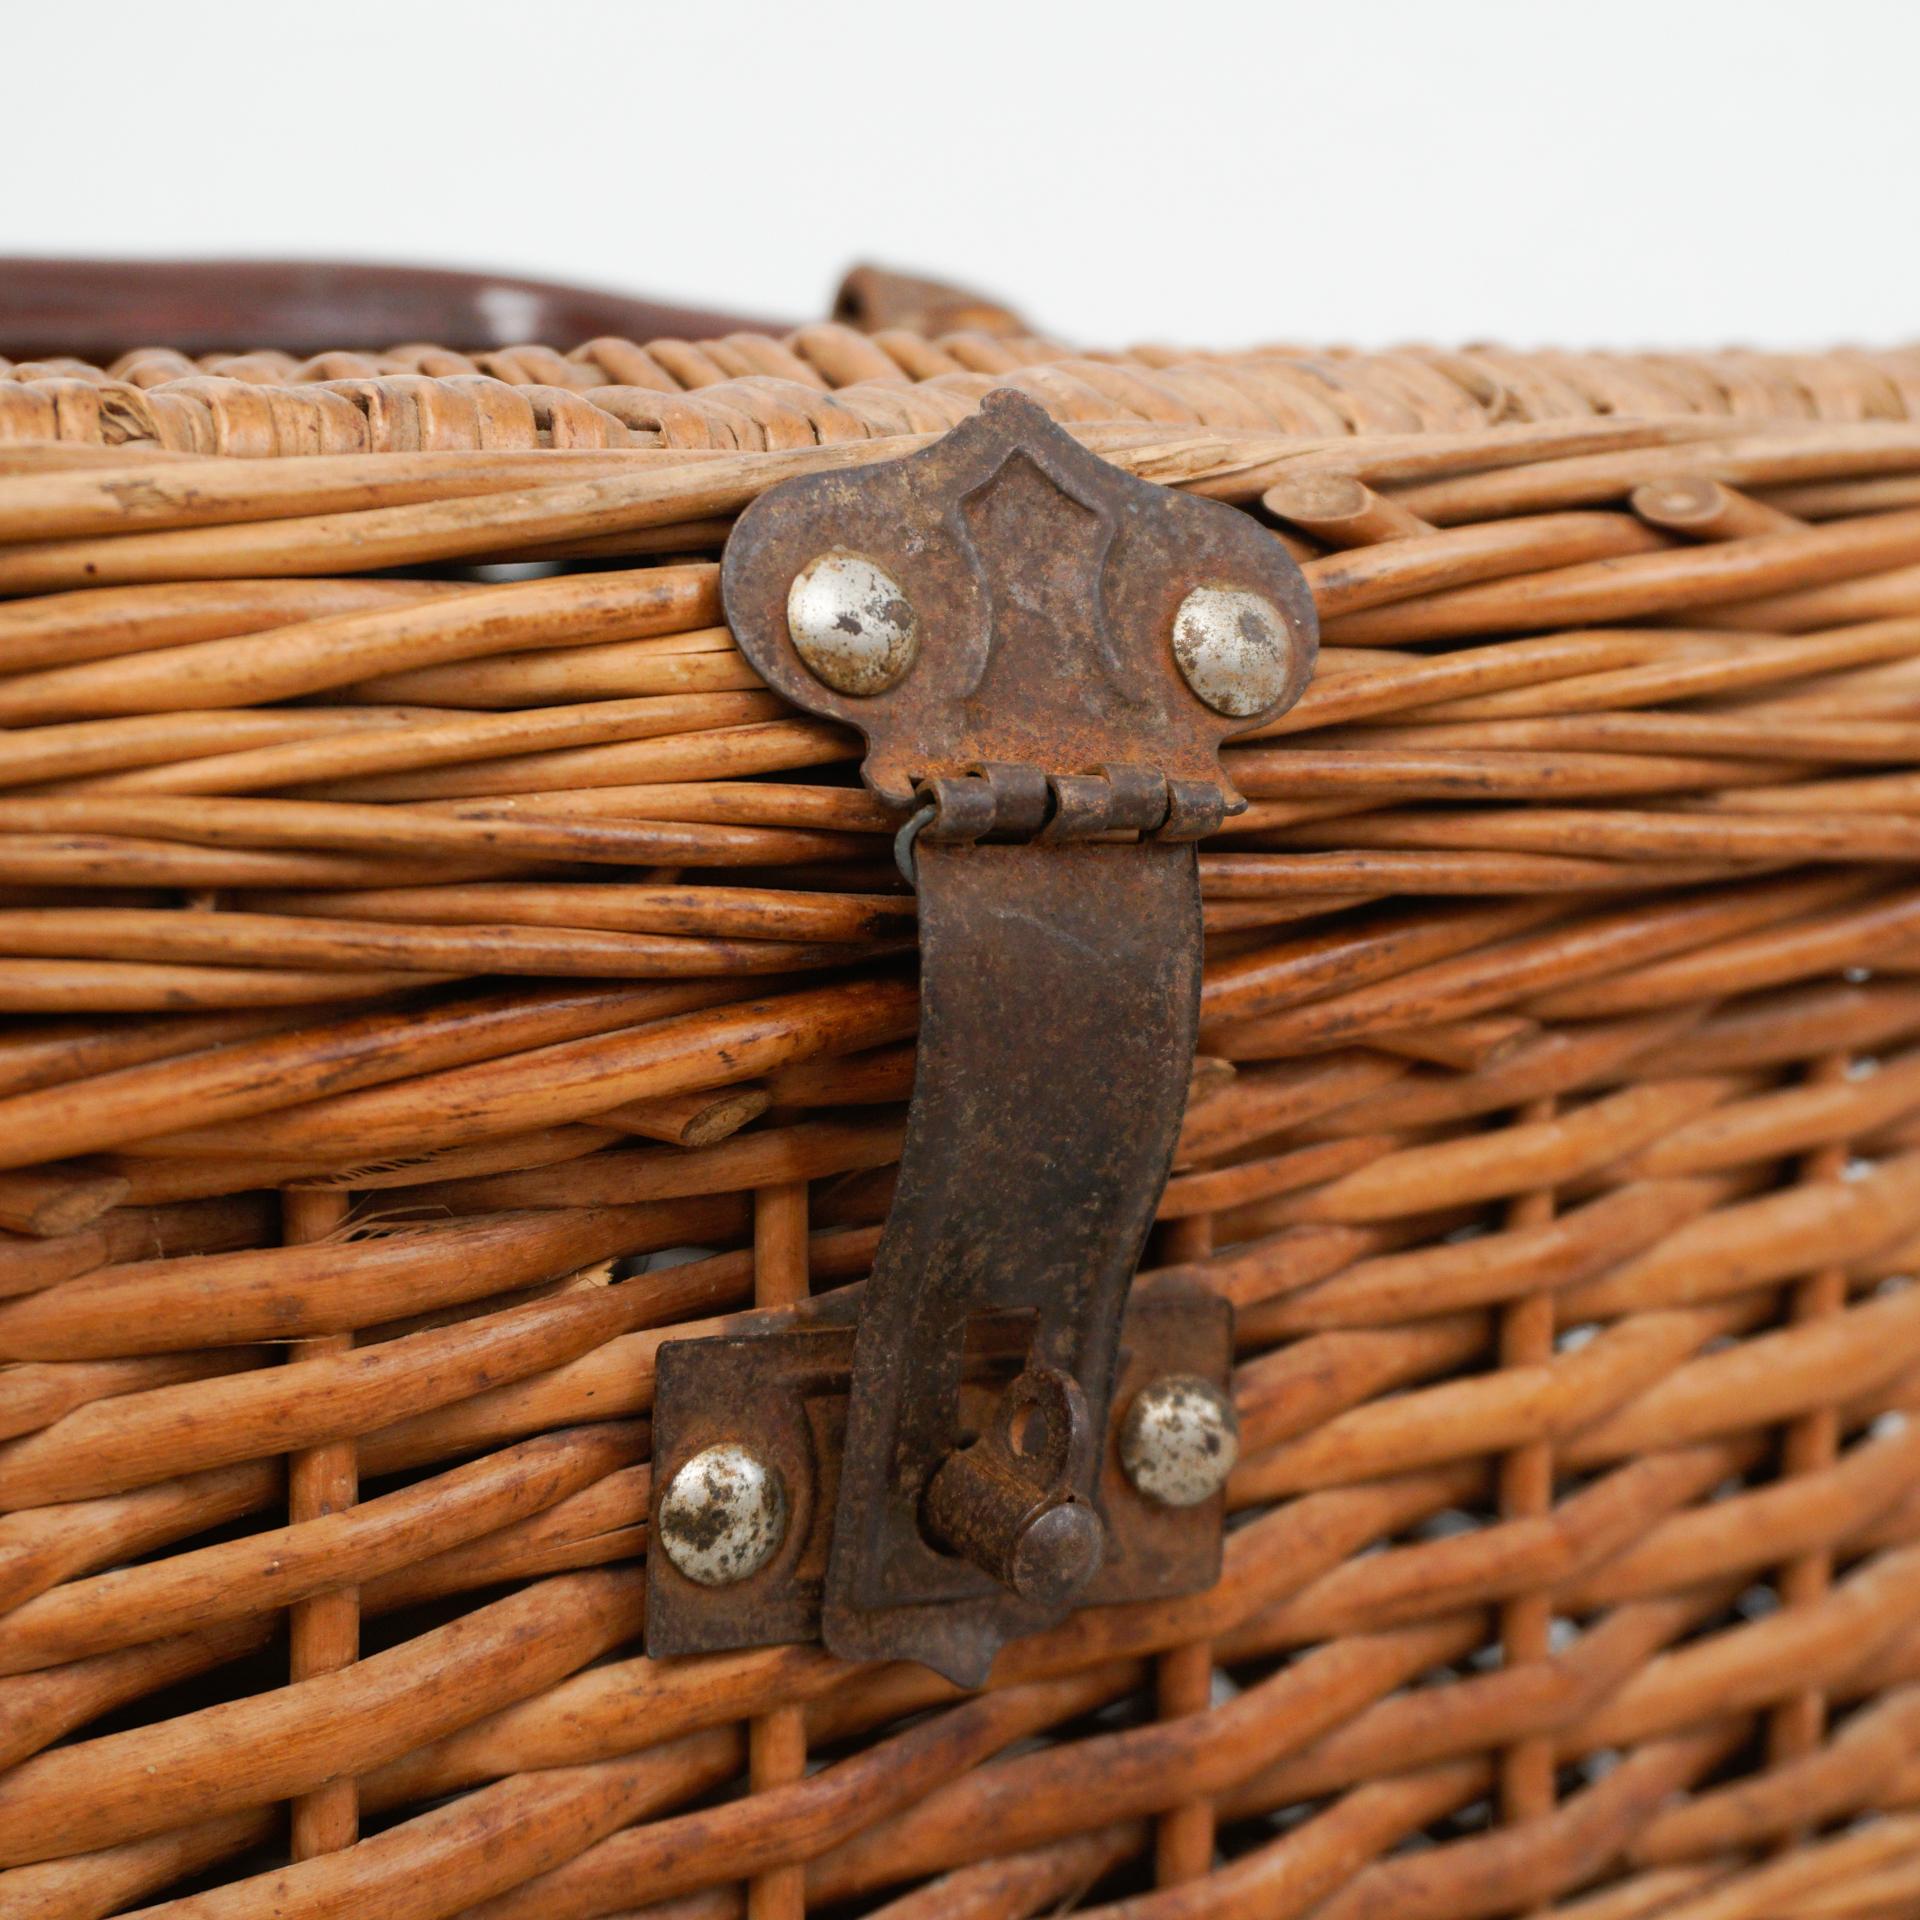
point(1044, 654)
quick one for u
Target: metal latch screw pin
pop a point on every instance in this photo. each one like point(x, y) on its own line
point(1006, 1502)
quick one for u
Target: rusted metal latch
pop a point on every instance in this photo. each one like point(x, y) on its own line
point(1044, 654)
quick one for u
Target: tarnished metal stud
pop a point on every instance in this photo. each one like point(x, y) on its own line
point(1041, 1547)
point(1179, 1440)
point(1057, 1554)
point(1234, 648)
point(724, 1515)
point(1003, 1501)
point(852, 624)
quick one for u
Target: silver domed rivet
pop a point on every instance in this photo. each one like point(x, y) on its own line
point(724, 1515)
point(1179, 1440)
point(1234, 649)
point(852, 624)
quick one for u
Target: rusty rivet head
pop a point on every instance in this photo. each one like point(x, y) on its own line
point(1179, 1440)
point(1058, 1553)
point(724, 1515)
point(1234, 648)
point(852, 624)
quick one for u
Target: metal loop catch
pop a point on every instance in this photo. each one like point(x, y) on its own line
point(903, 843)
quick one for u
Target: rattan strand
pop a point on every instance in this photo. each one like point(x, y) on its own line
point(388, 954)
point(827, 384)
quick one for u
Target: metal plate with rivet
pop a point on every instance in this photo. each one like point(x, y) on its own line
point(790, 1381)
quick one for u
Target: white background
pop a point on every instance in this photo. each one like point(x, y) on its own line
point(1637, 172)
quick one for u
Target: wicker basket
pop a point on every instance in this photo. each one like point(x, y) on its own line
point(403, 955)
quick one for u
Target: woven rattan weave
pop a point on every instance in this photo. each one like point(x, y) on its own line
point(402, 953)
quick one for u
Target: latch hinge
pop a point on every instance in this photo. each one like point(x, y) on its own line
point(1044, 654)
